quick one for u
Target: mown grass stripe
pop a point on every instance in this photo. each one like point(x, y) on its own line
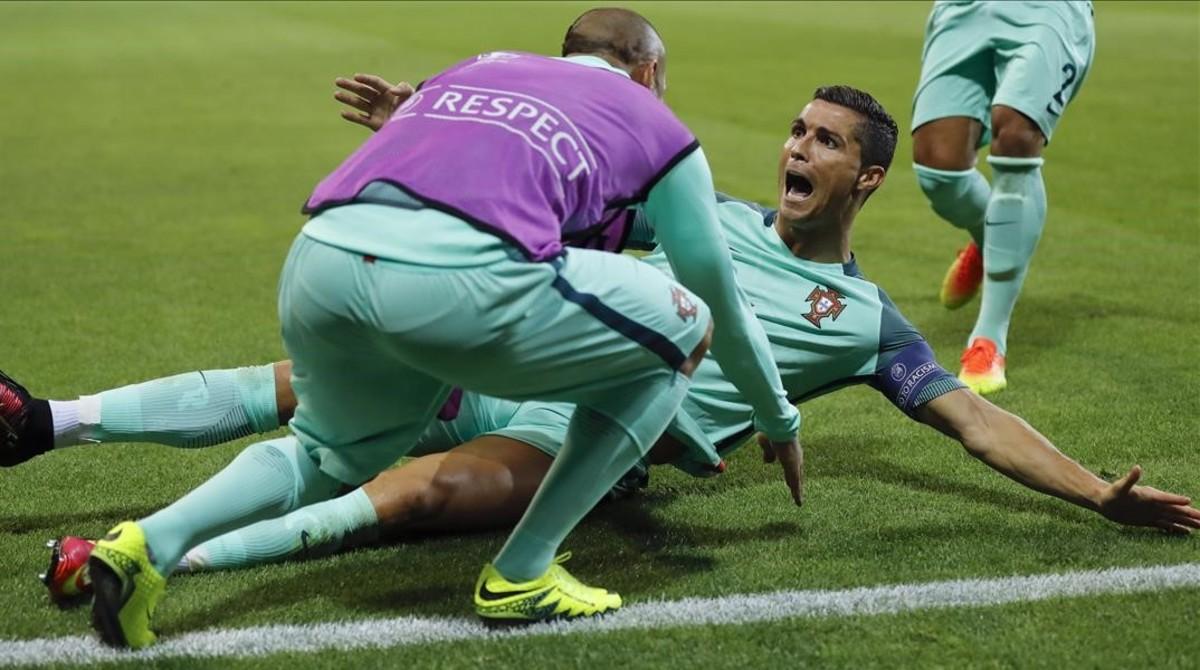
point(734, 609)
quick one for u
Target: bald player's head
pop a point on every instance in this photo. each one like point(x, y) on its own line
point(625, 39)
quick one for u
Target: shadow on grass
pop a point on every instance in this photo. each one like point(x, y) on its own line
point(860, 459)
point(433, 574)
point(376, 581)
point(75, 522)
point(634, 521)
point(1050, 321)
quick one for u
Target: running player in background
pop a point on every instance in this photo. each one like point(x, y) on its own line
point(998, 73)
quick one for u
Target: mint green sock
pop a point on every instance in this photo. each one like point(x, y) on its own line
point(596, 453)
point(316, 530)
point(194, 409)
point(266, 480)
point(958, 196)
point(1015, 217)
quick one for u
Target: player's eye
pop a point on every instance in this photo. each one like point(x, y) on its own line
point(828, 141)
point(797, 130)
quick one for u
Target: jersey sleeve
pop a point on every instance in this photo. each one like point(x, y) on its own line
point(682, 209)
point(907, 373)
point(641, 235)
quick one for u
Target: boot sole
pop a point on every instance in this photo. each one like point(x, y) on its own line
point(106, 604)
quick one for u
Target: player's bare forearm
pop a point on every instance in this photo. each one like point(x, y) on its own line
point(1012, 447)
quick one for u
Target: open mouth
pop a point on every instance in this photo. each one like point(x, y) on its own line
point(798, 186)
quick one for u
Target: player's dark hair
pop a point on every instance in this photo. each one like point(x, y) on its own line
point(877, 133)
point(619, 33)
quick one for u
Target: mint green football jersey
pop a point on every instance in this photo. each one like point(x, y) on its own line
point(828, 326)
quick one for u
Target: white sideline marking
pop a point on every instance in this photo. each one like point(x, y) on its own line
point(735, 609)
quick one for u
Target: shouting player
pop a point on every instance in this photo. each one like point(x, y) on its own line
point(829, 328)
point(435, 259)
point(998, 73)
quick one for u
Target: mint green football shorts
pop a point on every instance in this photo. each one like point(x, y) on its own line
point(1031, 56)
point(541, 425)
point(378, 343)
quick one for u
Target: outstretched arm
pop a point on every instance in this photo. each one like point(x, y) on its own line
point(1012, 447)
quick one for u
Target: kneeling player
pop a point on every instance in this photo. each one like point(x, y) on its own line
point(844, 331)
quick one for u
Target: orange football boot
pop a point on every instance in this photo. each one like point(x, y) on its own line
point(963, 278)
point(983, 367)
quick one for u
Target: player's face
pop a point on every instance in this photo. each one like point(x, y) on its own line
point(820, 163)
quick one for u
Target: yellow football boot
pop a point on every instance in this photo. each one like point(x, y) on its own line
point(127, 588)
point(556, 595)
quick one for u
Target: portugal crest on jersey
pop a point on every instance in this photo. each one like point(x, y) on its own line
point(825, 302)
point(683, 304)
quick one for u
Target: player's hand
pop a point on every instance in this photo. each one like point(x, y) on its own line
point(374, 98)
point(791, 457)
point(1132, 505)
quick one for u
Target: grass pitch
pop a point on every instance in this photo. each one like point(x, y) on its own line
point(154, 158)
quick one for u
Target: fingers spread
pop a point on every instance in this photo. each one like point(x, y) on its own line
point(1164, 496)
point(1183, 518)
point(1190, 512)
point(360, 119)
point(353, 100)
point(377, 83)
point(357, 88)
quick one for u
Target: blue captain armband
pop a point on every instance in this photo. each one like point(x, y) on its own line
point(913, 377)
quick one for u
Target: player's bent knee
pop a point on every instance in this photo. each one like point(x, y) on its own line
point(1014, 134)
point(947, 144)
point(429, 500)
point(944, 158)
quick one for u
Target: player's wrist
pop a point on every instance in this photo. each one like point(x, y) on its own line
point(1095, 497)
point(782, 428)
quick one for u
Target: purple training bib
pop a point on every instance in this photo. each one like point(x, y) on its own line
point(540, 151)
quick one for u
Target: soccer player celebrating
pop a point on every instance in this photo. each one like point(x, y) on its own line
point(998, 73)
point(492, 454)
point(434, 259)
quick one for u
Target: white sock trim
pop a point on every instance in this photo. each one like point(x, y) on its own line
point(89, 410)
point(65, 415)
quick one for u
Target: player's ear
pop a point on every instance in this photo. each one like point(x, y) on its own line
point(870, 178)
point(645, 74)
